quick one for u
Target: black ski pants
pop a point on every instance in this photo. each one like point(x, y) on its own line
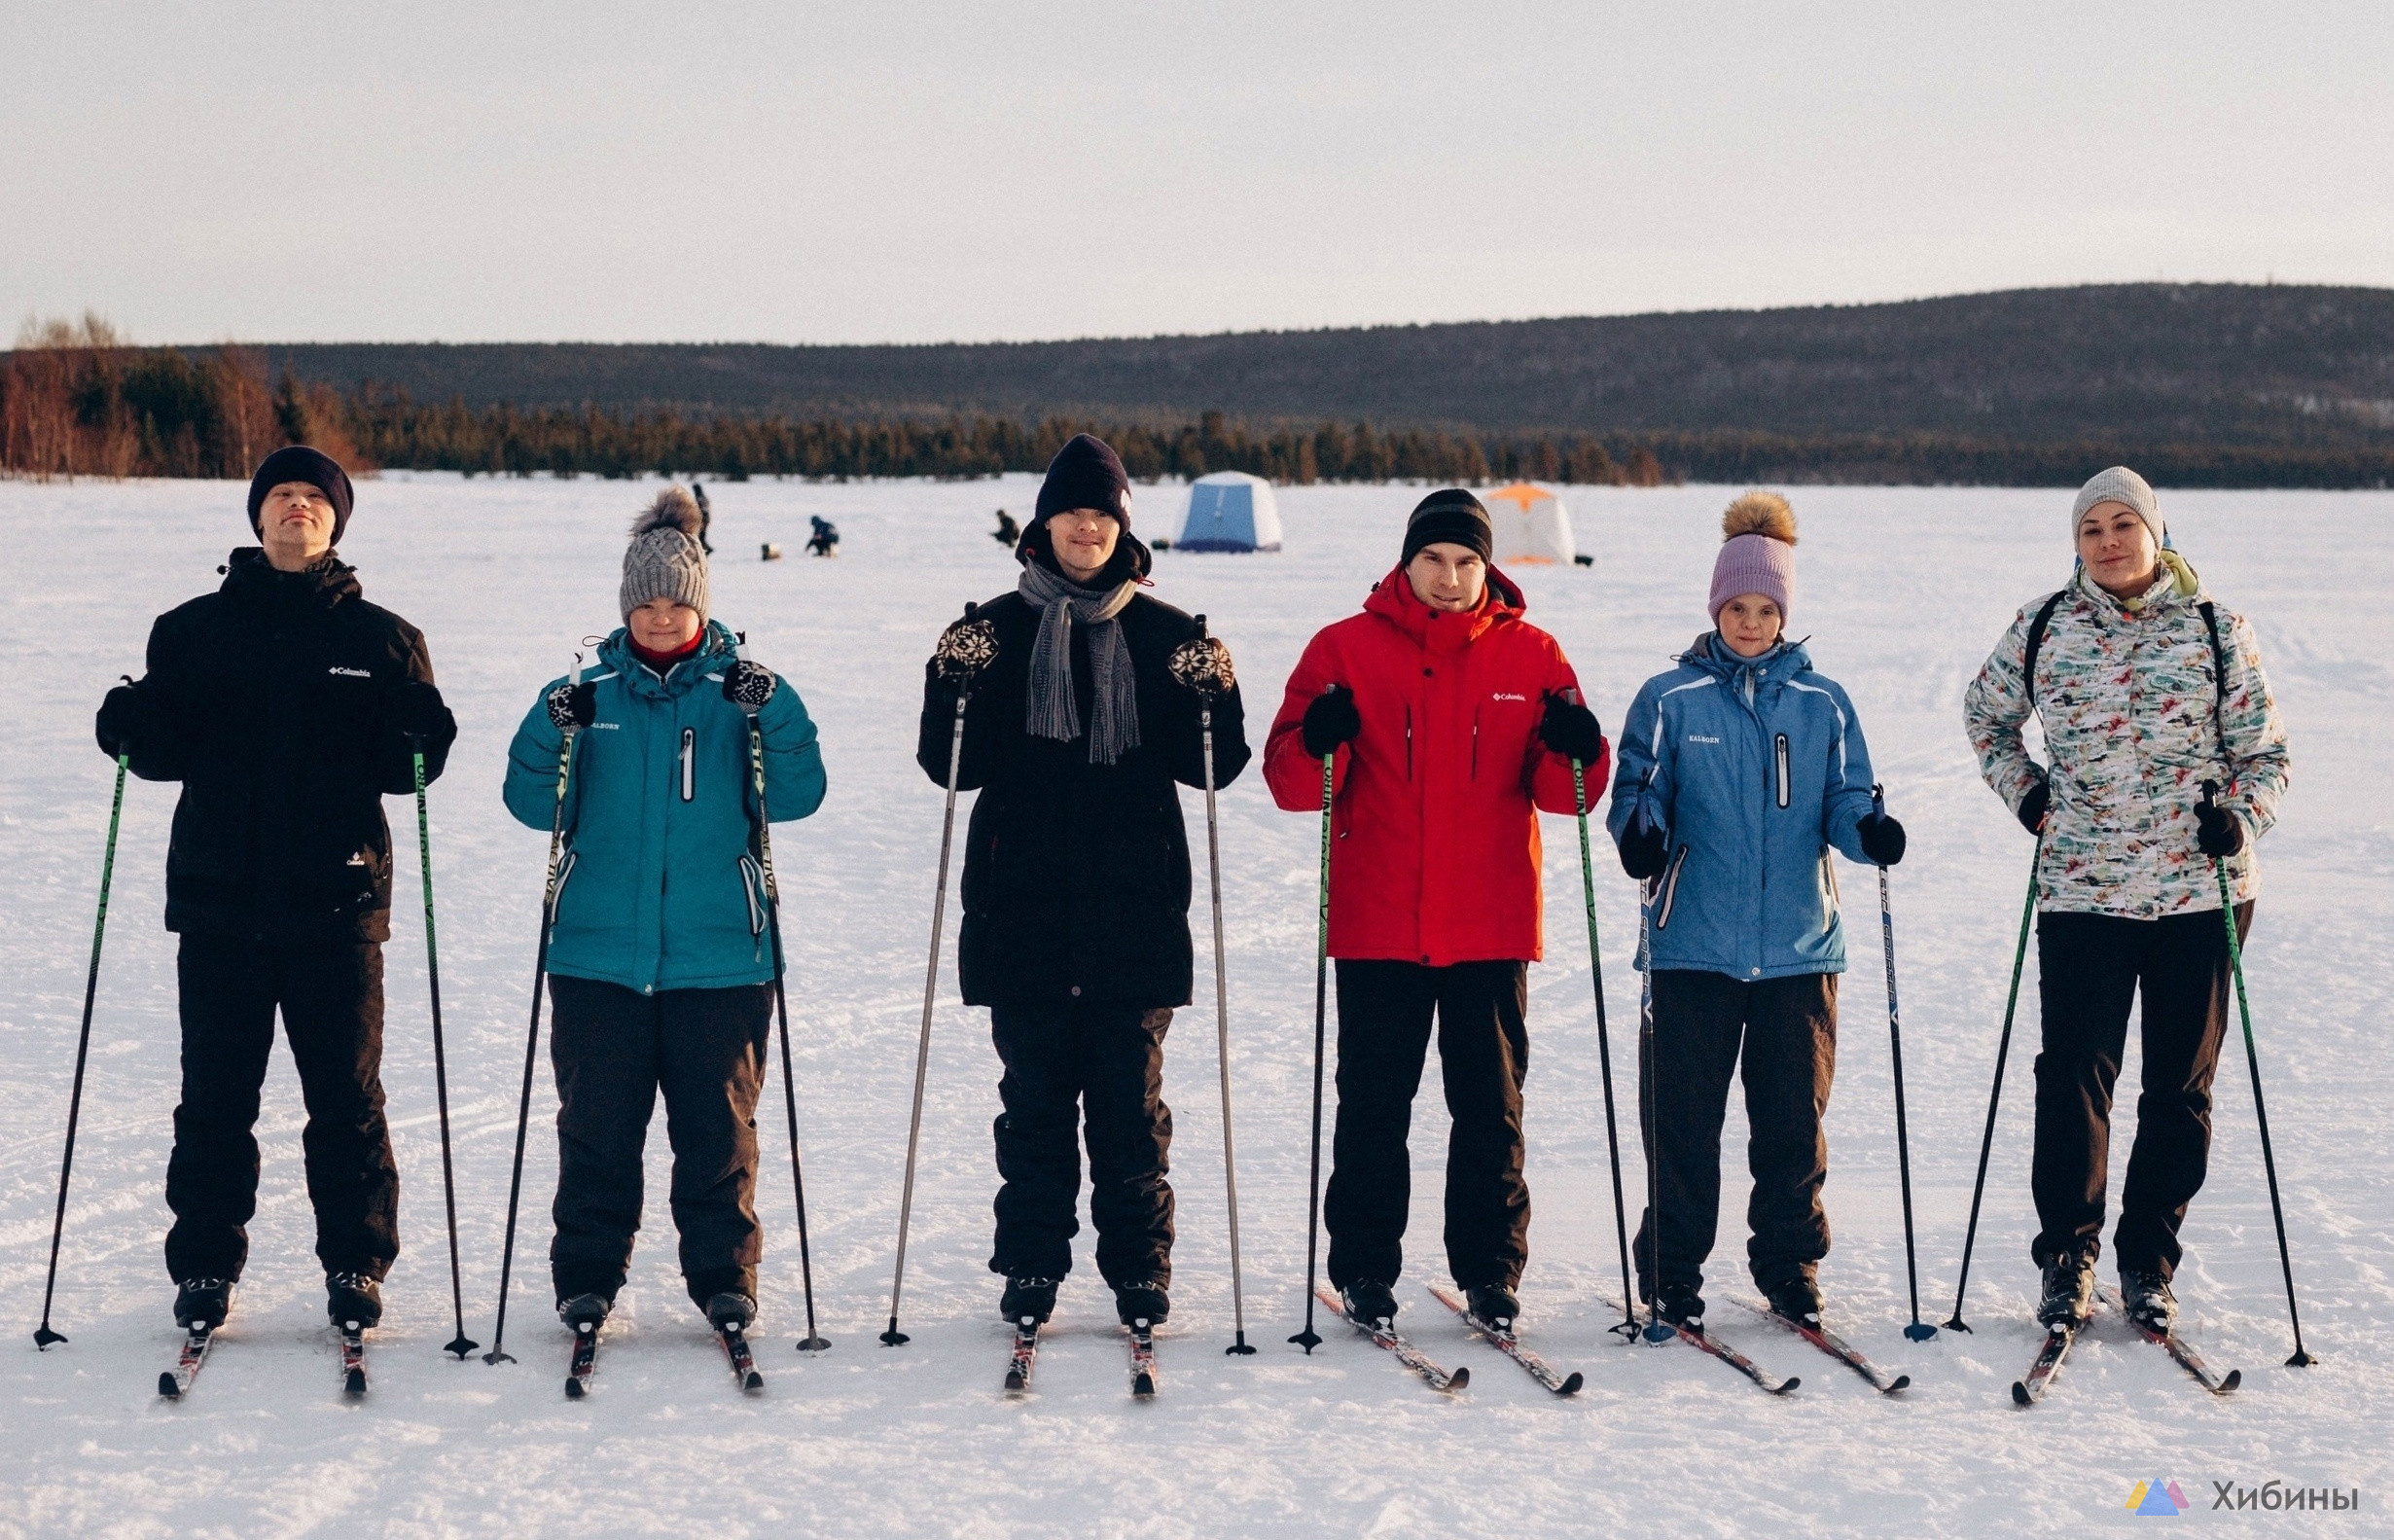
point(1099, 1068)
point(330, 993)
point(613, 1048)
point(1384, 1014)
point(1780, 1035)
point(2090, 968)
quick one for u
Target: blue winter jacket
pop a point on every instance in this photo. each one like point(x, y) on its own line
point(659, 887)
point(1755, 767)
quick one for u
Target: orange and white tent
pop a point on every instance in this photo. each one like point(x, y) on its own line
point(1533, 526)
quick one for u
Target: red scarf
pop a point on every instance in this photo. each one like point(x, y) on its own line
point(665, 662)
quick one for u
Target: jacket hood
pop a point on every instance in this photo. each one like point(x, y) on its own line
point(1708, 655)
point(2175, 583)
point(616, 653)
point(1394, 601)
point(251, 577)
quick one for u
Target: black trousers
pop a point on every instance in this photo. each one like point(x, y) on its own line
point(1099, 1068)
point(1781, 1034)
point(614, 1050)
point(330, 997)
point(1384, 1014)
point(2091, 967)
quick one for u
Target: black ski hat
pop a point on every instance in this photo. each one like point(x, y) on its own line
point(1454, 515)
point(1086, 473)
point(297, 462)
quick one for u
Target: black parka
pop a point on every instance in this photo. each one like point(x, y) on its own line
point(1076, 876)
point(269, 699)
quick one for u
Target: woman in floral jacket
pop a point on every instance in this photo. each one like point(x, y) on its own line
point(2148, 693)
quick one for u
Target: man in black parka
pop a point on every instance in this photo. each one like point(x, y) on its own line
point(1076, 876)
point(288, 708)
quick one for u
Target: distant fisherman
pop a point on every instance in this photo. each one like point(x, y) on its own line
point(2147, 691)
point(288, 708)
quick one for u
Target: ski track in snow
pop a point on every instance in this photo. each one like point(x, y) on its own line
point(1903, 593)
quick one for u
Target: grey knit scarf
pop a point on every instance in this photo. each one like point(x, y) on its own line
point(1114, 695)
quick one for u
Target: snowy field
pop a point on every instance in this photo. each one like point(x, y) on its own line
point(1903, 593)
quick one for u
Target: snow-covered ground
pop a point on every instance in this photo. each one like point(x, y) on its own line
point(1903, 592)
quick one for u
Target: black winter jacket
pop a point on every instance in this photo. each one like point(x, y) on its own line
point(269, 700)
point(1076, 876)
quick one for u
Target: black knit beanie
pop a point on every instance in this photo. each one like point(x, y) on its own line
point(1454, 515)
point(297, 462)
point(1086, 473)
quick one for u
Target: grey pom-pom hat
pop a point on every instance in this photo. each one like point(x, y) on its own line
point(665, 560)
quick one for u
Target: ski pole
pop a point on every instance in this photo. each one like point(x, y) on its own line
point(43, 1335)
point(2303, 1359)
point(1309, 1338)
point(1627, 1326)
point(1222, 1014)
point(1655, 1330)
point(461, 1345)
point(814, 1342)
point(1919, 1331)
point(972, 655)
point(531, 1045)
point(1994, 1094)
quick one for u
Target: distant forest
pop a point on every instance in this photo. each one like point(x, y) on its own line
point(2198, 386)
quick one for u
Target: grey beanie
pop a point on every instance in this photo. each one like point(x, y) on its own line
point(665, 560)
point(2120, 484)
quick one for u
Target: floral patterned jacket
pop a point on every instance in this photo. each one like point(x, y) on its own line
point(2126, 693)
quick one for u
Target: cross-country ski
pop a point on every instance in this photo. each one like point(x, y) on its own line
point(173, 1383)
point(1023, 1357)
point(1144, 1381)
point(1503, 1339)
point(2176, 1347)
point(1406, 1353)
point(1836, 1348)
point(743, 1360)
point(2029, 1388)
point(583, 1363)
point(352, 1361)
point(1693, 1334)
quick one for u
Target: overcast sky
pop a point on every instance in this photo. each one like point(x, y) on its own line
point(920, 172)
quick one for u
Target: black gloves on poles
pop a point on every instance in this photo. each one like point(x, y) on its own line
point(748, 686)
point(2218, 832)
point(2032, 806)
point(130, 717)
point(1331, 720)
point(414, 709)
point(1644, 851)
point(1882, 838)
point(1570, 730)
point(572, 706)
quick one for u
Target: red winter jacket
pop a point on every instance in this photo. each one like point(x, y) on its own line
point(1434, 849)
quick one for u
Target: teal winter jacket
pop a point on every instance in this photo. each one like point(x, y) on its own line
point(659, 887)
point(1756, 769)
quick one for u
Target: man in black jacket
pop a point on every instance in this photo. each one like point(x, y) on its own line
point(288, 708)
point(1076, 878)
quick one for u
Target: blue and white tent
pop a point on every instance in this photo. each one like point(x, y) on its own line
point(1230, 511)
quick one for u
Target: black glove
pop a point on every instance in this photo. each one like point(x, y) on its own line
point(2032, 806)
point(1203, 664)
point(414, 709)
point(1331, 720)
point(573, 707)
point(1882, 838)
point(1645, 850)
point(748, 686)
point(129, 718)
point(2218, 832)
point(1572, 731)
point(964, 649)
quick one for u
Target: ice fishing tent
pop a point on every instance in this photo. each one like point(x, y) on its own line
point(1531, 526)
point(1230, 511)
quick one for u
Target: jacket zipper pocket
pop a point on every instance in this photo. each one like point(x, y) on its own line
point(1475, 743)
point(1670, 891)
point(690, 765)
point(1780, 753)
point(752, 882)
point(1828, 873)
point(1409, 742)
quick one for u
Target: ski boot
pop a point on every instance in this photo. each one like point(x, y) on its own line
point(1134, 1302)
point(1680, 1305)
point(1369, 1301)
point(1030, 1297)
point(2145, 1295)
point(352, 1299)
point(1493, 1304)
point(203, 1302)
point(1796, 1300)
point(584, 1309)
point(2068, 1291)
point(730, 1308)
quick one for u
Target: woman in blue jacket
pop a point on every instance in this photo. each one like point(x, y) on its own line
point(659, 966)
point(1740, 771)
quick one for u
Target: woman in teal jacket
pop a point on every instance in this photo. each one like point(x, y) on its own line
point(659, 965)
point(1740, 771)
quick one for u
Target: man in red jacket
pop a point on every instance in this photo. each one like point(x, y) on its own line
point(1448, 720)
